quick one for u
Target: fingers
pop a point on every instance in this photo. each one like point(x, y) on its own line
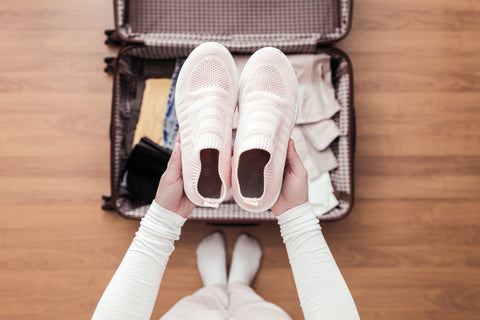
point(294, 161)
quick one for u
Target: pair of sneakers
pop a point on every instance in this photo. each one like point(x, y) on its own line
point(206, 97)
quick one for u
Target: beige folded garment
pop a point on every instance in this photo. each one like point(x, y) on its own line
point(152, 112)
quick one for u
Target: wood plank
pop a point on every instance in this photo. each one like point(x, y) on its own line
point(438, 186)
point(417, 124)
point(52, 15)
point(413, 43)
point(53, 82)
point(432, 15)
point(415, 73)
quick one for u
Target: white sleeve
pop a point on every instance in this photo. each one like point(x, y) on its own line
point(132, 292)
point(321, 288)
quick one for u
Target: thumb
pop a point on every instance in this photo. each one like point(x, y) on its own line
point(174, 166)
point(294, 161)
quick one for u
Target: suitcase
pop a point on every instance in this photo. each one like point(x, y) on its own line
point(153, 33)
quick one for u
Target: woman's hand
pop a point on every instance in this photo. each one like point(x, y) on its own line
point(170, 194)
point(295, 183)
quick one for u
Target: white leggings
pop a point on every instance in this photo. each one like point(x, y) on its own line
point(238, 302)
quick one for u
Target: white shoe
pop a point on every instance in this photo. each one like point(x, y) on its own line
point(267, 109)
point(205, 101)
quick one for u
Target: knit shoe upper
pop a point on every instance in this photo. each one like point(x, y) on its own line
point(267, 111)
point(205, 100)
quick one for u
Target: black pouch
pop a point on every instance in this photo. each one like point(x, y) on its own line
point(145, 166)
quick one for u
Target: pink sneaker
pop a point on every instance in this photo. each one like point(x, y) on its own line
point(205, 101)
point(267, 112)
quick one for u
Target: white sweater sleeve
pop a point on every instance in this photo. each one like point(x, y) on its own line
point(132, 292)
point(321, 288)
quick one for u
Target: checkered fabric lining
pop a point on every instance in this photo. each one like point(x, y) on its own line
point(222, 17)
point(124, 97)
point(242, 26)
point(228, 211)
point(342, 147)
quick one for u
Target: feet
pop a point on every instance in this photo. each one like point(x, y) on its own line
point(246, 259)
point(211, 260)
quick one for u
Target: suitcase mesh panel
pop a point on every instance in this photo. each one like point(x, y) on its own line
point(221, 17)
point(125, 89)
point(241, 25)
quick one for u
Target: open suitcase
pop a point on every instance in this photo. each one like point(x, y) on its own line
point(153, 33)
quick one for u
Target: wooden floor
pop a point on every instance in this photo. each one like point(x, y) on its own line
point(409, 250)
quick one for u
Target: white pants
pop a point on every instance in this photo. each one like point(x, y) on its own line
point(238, 302)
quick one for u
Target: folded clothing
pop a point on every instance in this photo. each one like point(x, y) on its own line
point(316, 162)
point(321, 134)
point(145, 166)
point(152, 111)
point(170, 123)
point(316, 93)
point(321, 194)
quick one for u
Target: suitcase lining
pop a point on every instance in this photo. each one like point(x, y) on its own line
point(126, 86)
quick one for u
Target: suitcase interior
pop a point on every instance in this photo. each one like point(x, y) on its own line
point(243, 26)
point(147, 47)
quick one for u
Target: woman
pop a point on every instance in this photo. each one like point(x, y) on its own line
point(133, 289)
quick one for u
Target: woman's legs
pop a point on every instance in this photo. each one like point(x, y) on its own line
point(245, 303)
point(214, 301)
point(207, 303)
point(211, 301)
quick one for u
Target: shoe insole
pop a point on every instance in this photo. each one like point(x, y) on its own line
point(209, 182)
point(251, 166)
